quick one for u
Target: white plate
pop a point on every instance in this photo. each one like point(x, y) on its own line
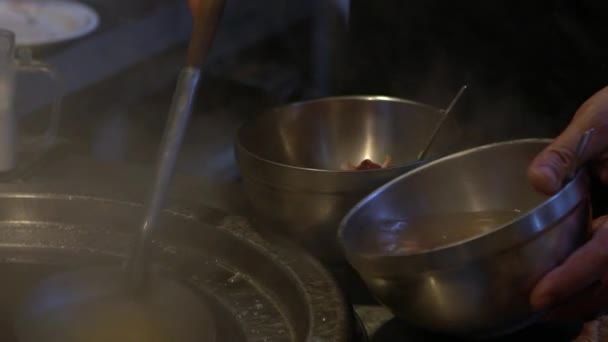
point(42, 22)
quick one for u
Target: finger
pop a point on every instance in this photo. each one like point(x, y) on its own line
point(598, 223)
point(600, 169)
point(549, 168)
point(603, 328)
point(583, 305)
point(585, 266)
point(590, 332)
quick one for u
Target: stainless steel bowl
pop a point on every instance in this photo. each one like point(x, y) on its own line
point(290, 160)
point(479, 286)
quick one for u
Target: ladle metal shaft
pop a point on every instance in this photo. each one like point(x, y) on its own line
point(206, 17)
point(179, 113)
point(91, 304)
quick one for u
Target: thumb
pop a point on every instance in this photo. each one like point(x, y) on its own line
point(548, 170)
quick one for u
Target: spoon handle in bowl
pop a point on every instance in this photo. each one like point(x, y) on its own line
point(580, 150)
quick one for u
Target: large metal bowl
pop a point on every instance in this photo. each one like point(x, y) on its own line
point(256, 291)
point(479, 286)
point(290, 160)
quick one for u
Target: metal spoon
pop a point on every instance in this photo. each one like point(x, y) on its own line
point(446, 112)
point(132, 304)
point(580, 150)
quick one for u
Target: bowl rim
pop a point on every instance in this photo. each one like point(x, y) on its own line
point(363, 98)
point(425, 255)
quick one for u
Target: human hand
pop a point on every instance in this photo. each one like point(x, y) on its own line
point(580, 284)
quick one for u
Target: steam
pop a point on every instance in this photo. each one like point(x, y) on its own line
point(493, 108)
point(528, 67)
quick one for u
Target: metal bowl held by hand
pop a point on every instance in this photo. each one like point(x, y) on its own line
point(457, 245)
point(292, 160)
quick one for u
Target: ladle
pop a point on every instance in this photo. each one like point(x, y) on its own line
point(134, 303)
point(446, 112)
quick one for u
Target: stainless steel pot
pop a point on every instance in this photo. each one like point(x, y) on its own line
point(290, 160)
point(256, 291)
point(479, 286)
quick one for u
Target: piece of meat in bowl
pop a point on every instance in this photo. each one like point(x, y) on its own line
point(368, 164)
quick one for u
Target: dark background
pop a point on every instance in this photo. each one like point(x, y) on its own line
point(529, 64)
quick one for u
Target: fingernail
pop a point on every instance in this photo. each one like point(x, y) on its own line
point(545, 179)
point(552, 178)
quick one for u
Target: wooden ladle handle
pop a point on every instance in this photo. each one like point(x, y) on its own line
point(206, 15)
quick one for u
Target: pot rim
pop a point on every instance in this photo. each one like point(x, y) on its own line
point(459, 252)
point(240, 147)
